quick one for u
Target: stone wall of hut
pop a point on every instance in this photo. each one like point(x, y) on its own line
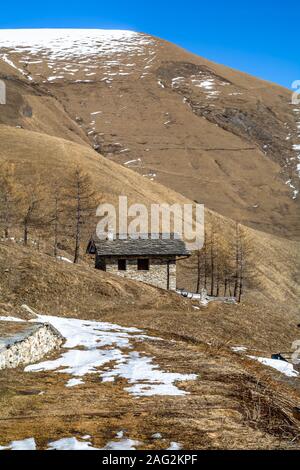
point(157, 275)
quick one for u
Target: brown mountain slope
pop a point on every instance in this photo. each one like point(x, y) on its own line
point(33, 108)
point(216, 135)
point(277, 259)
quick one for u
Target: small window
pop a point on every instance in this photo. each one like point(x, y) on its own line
point(143, 265)
point(122, 265)
point(100, 263)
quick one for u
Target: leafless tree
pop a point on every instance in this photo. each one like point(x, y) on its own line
point(10, 198)
point(81, 203)
point(57, 215)
point(245, 270)
point(34, 216)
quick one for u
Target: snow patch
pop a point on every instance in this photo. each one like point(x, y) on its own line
point(70, 443)
point(146, 377)
point(156, 436)
point(239, 349)
point(26, 444)
point(102, 344)
point(123, 444)
point(284, 367)
point(12, 319)
point(175, 446)
point(70, 43)
point(67, 51)
point(132, 161)
point(74, 382)
point(11, 63)
point(66, 260)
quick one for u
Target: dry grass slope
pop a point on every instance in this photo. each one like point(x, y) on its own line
point(50, 158)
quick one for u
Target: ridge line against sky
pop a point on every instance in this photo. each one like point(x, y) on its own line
point(259, 38)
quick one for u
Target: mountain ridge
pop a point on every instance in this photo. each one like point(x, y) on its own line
point(219, 136)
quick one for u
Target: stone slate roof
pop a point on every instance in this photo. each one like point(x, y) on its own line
point(139, 247)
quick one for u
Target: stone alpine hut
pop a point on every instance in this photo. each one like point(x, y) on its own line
point(148, 259)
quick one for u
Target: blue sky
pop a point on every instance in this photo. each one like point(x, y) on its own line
point(258, 37)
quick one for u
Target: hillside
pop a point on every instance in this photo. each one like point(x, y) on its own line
point(214, 384)
point(51, 158)
point(211, 133)
point(142, 367)
point(59, 287)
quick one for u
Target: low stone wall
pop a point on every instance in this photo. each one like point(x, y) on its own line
point(29, 346)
